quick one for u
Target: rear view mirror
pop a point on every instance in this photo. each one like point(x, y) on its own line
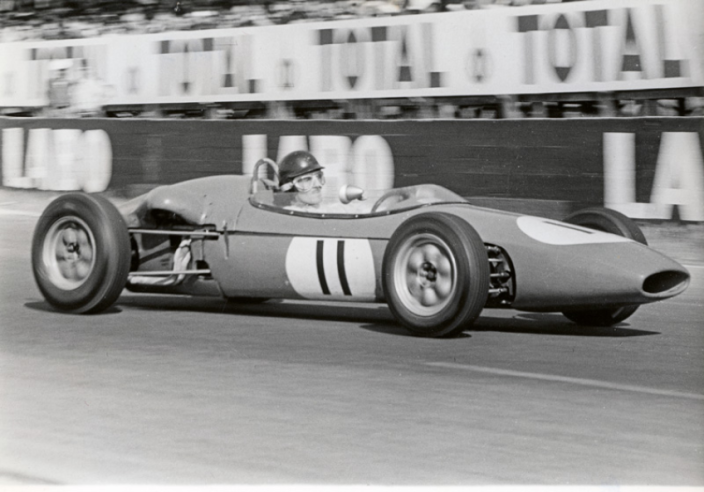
point(349, 193)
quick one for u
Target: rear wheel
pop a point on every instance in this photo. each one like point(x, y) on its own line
point(605, 220)
point(435, 275)
point(81, 253)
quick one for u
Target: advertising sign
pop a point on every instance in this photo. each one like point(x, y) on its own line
point(647, 168)
point(596, 46)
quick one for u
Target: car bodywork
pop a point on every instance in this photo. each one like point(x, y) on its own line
point(244, 246)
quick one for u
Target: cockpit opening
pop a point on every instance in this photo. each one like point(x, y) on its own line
point(355, 202)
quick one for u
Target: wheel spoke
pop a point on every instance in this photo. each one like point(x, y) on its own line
point(444, 267)
point(443, 287)
point(414, 287)
point(82, 238)
point(60, 254)
point(66, 269)
point(87, 254)
point(429, 298)
point(415, 261)
point(82, 269)
point(86, 251)
point(69, 236)
point(431, 253)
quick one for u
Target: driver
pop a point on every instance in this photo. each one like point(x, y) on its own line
point(300, 173)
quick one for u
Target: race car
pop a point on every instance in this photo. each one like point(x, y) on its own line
point(433, 257)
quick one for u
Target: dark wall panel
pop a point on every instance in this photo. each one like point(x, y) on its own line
point(542, 159)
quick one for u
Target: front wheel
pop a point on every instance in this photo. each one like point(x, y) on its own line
point(435, 275)
point(81, 253)
point(605, 220)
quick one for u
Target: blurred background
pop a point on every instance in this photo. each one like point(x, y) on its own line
point(77, 83)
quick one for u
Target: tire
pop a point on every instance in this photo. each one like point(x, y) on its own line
point(81, 253)
point(605, 220)
point(435, 275)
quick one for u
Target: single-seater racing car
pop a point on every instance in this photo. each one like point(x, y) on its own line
point(434, 258)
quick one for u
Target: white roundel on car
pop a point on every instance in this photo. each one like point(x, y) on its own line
point(331, 268)
point(560, 233)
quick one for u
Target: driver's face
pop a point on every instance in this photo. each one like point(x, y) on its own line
point(309, 187)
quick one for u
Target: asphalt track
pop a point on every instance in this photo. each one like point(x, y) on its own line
point(164, 390)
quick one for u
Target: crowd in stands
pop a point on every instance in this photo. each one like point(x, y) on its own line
point(67, 19)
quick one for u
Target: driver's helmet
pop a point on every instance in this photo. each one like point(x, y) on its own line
point(294, 165)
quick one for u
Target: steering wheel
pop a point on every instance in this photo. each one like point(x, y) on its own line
point(398, 195)
point(268, 183)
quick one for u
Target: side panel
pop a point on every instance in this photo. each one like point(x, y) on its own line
point(332, 268)
point(278, 255)
point(297, 267)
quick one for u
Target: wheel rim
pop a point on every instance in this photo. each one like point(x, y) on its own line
point(425, 274)
point(69, 253)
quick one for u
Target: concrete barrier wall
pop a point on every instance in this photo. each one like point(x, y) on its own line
point(649, 168)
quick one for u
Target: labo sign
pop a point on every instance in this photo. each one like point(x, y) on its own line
point(61, 160)
point(678, 180)
point(646, 173)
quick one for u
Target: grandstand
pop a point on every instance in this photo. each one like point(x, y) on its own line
point(68, 19)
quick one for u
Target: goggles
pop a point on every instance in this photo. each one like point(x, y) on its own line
point(307, 181)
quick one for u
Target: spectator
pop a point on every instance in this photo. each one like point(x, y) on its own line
point(59, 90)
point(87, 93)
point(179, 9)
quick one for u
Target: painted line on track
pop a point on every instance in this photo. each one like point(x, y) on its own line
point(19, 213)
point(594, 383)
point(686, 304)
point(10, 478)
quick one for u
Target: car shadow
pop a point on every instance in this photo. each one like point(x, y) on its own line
point(395, 329)
point(553, 324)
point(359, 313)
point(48, 308)
point(529, 324)
point(371, 317)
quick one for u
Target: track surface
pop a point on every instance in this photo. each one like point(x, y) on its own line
point(163, 390)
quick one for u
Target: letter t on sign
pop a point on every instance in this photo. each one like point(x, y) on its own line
point(528, 24)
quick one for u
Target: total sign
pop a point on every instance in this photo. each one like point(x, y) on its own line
point(607, 46)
